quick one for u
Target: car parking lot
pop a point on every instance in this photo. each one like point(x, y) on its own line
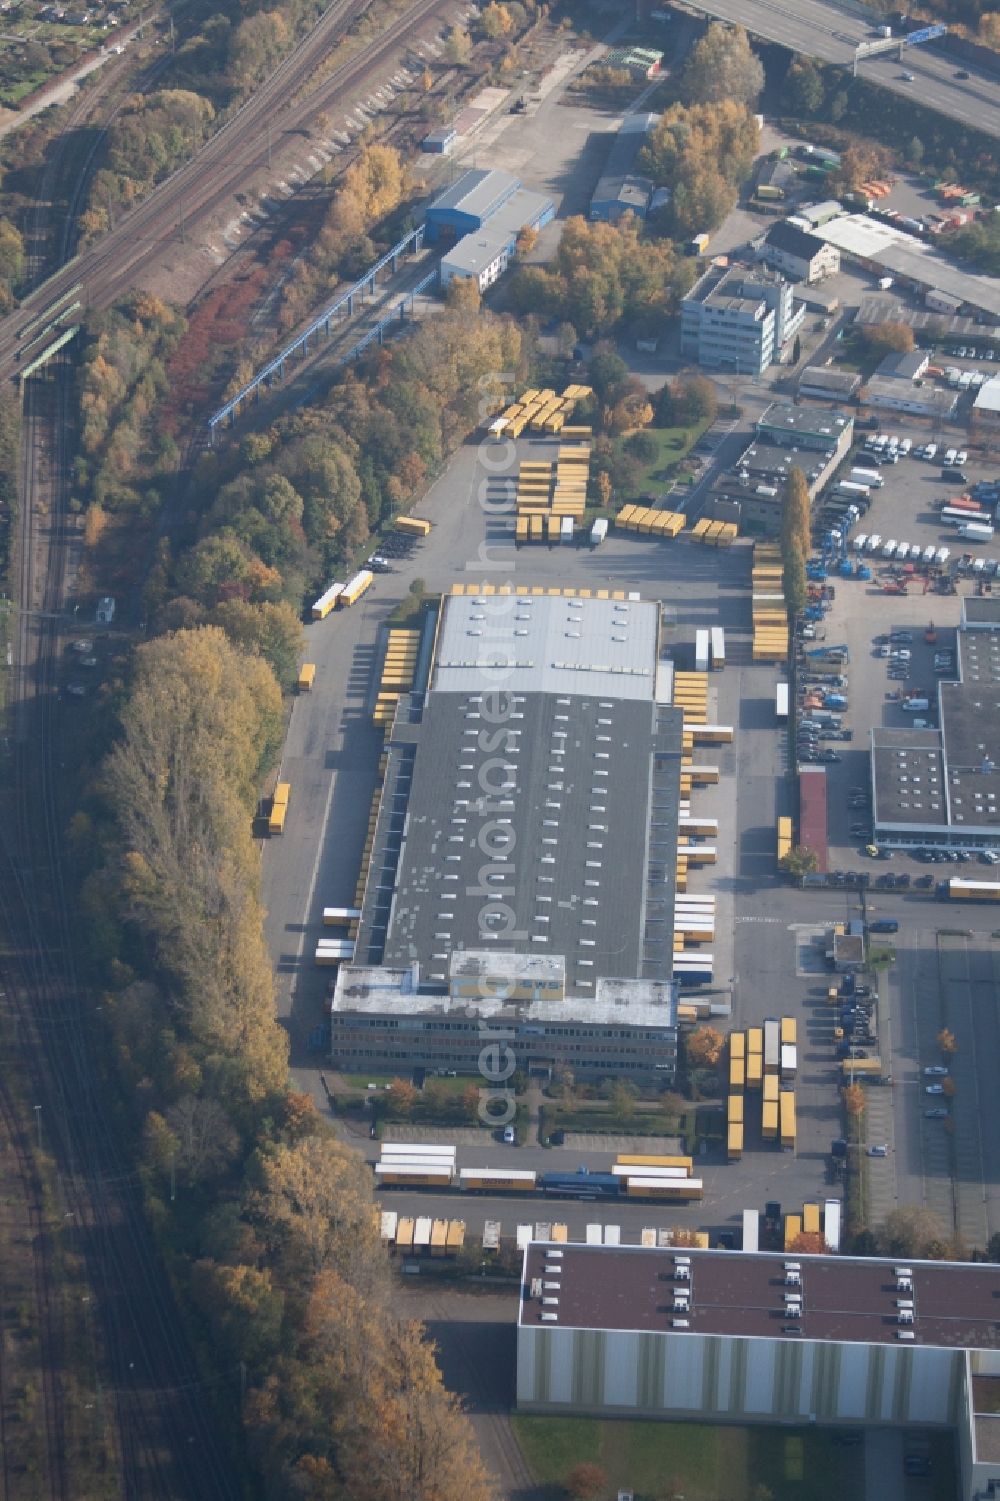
point(907, 508)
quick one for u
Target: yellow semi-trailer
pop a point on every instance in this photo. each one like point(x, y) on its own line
point(713, 734)
point(703, 776)
point(404, 1234)
point(771, 1087)
point(279, 808)
point(678, 1191)
point(735, 1142)
point(789, 1031)
point(322, 606)
point(354, 588)
point(793, 1229)
point(863, 1067)
point(810, 1219)
point(307, 676)
point(439, 1238)
point(496, 1180)
point(786, 1101)
point(755, 1070)
point(973, 891)
point(735, 1113)
point(769, 1120)
point(456, 1236)
point(737, 1073)
point(415, 526)
point(737, 1044)
point(626, 1159)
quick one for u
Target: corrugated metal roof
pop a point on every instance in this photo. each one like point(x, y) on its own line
point(477, 192)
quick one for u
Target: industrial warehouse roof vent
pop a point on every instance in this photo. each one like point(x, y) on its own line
point(550, 1318)
point(793, 1279)
point(904, 1284)
point(906, 1334)
point(793, 1266)
point(902, 1271)
point(906, 1316)
point(536, 1287)
point(680, 1323)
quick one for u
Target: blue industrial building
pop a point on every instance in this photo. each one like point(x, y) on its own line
point(468, 203)
point(620, 190)
point(481, 216)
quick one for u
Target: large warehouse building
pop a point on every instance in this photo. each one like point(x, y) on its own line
point(480, 216)
point(524, 859)
point(746, 1337)
point(938, 787)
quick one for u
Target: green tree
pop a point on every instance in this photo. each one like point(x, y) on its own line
point(457, 47)
point(695, 401)
point(804, 85)
point(799, 861)
point(722, 66)
point(272, 631)
point(622, 1100)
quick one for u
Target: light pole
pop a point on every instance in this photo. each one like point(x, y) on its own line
point(38, 1124)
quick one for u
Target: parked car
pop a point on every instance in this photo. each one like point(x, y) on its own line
point(935, 1070)
point(939, 1113)
point(933, 1089)
point(879, 1151)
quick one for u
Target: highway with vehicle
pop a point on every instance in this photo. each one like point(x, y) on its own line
point(236, 151)
point(816, 28)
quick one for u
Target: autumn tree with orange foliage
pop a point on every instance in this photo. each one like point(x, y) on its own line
point(809, 1242)
point(704, 1047)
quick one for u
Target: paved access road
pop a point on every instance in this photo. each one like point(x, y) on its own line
point(822, 30)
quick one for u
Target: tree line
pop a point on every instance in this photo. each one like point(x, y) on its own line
point(796, 540)
point(268, 1222)
point(264, 521)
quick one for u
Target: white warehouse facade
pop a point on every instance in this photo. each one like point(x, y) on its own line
point(742, 1337)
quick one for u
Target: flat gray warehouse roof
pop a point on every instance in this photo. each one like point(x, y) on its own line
point(532, 834)
point(970, 715)
point(909, 777)
point(548, 644)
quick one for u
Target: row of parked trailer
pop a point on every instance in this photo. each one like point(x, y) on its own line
point(340, 596)
point(710, 649)
point(414, 1165)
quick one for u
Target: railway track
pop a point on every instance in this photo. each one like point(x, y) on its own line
point(237, 150)
point(157, 1415)
point(47, 1319)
